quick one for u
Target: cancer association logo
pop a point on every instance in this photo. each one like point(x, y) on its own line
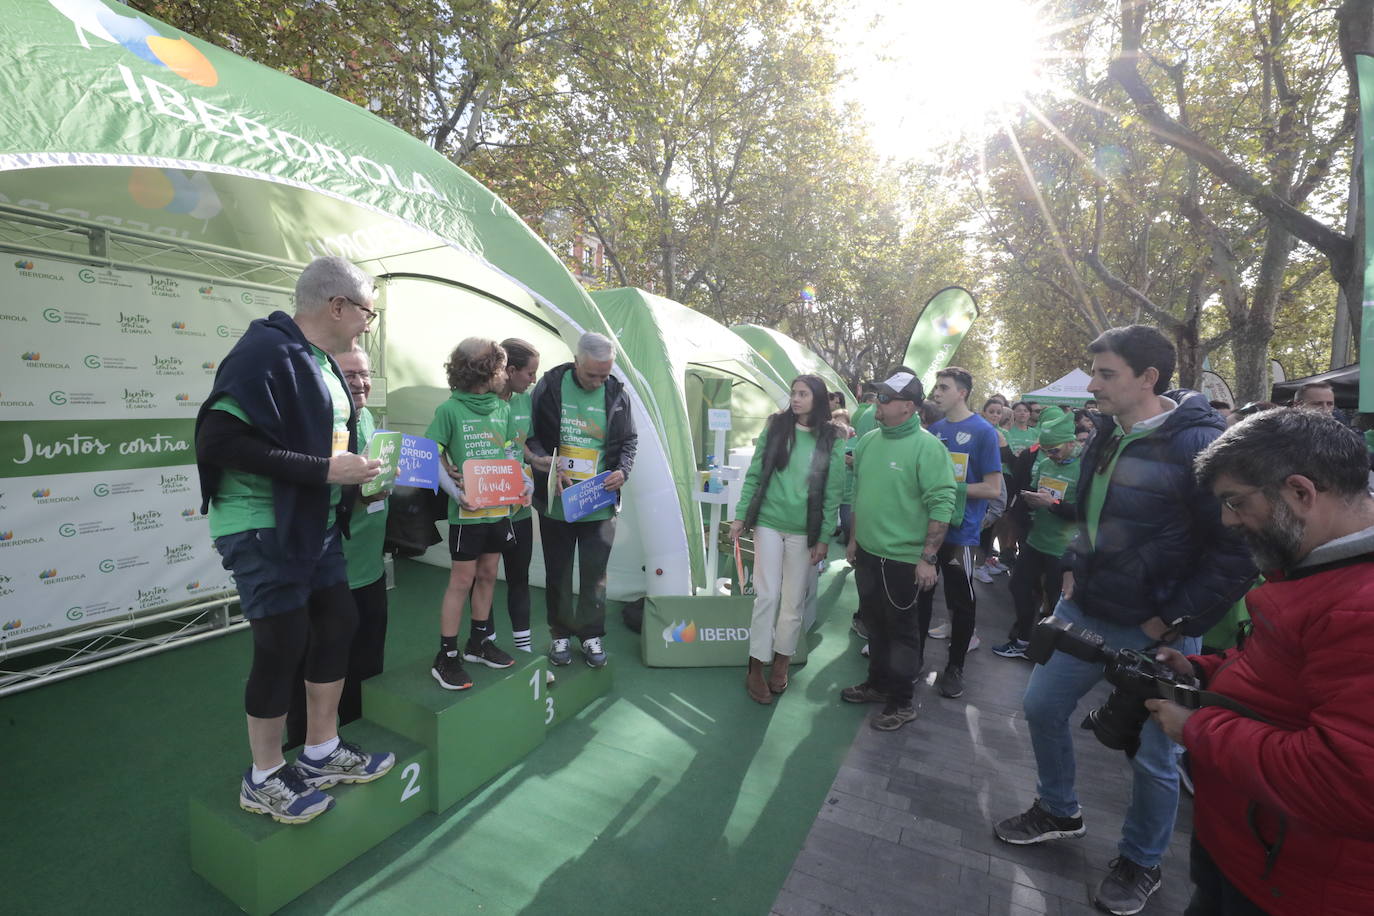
point(138, 38)
point(680, 632)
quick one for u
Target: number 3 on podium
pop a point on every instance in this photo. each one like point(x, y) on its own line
point(537, 682)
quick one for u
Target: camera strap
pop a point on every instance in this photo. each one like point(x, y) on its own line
point(1190, 697)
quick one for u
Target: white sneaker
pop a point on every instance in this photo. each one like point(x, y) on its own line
point(994, 566)
point(982, 575)
point(940, 632)
point(974, 643)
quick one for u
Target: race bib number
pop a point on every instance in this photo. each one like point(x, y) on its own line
point(960, 460)
point(492, 512)
point(578, 463)
point(1056, 488)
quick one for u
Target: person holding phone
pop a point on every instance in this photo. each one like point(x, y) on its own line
point(1051, 496)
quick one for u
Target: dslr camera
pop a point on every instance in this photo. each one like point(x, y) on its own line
point(1134, 675)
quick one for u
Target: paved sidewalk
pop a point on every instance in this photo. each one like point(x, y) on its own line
point(907, 825)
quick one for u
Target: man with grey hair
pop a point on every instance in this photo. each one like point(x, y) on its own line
point(1281, 744)
point(581, 427)
point(277, 451)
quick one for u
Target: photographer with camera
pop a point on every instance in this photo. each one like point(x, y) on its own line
point(1151, 562)
point(1284, 767)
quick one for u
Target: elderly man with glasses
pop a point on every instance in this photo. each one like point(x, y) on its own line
point(1150, 564)
point(278, 454)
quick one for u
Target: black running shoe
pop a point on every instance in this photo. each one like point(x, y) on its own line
point(1036, 825)
point(1127, 887)
point(489, 654)
point(448, 671)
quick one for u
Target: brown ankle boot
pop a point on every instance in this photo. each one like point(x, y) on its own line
point(777, 678)
point(755, 684)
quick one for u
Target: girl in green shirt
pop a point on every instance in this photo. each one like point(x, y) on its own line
point(473, 423)
point(791, 495)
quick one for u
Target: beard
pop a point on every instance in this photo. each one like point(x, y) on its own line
point(1276, 545)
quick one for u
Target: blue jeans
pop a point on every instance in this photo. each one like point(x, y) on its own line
point(1051, 698)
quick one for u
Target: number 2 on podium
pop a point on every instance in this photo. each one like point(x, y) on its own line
point(412, 787)
point(537, 681)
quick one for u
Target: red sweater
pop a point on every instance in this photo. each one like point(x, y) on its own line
point(1306, 781)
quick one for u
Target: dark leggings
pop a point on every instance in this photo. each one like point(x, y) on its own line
point(320, 633)
point(1035, 575)
point(364, 661)
point(517, 563)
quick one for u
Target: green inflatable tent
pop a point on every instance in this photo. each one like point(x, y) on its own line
point(156, 195)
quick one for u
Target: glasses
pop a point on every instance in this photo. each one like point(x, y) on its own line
point(371, 314)
point(1235, 502)
point(889, 398)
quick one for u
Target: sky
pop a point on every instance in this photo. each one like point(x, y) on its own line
point(929, 72)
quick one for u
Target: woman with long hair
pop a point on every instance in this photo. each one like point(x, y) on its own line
point(473, 423)
point(792, 494)
point(522, 368)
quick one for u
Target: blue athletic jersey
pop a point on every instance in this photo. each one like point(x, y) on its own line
point(975, 440)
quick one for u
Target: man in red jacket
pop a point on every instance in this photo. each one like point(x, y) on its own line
point(1284, 769)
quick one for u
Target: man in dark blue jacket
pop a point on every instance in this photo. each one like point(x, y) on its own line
point(1151, 563)
point(276, 443)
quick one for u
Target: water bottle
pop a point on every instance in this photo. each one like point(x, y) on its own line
point(713, 481)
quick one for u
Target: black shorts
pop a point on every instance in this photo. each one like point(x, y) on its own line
point(468, 542)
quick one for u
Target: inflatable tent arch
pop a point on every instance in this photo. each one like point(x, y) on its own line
point(696, 363)
point(160, 195)
point(790, 359)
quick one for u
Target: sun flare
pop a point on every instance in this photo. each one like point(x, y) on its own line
point(930, 72)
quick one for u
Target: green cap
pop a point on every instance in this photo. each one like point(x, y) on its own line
point(1056, 428)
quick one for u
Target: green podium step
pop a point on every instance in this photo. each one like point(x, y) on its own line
point(693, 632)
point(261, 865)
point(479, 733)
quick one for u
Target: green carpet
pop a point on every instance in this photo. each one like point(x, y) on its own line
point(676, 793)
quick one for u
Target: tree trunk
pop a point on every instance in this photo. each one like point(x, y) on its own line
point(1251, 349)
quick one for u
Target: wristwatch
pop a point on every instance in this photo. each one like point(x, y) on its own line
point(931, 558)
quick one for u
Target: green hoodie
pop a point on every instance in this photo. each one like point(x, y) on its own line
point(474, 426)
point(903, 480)
point(784, 503)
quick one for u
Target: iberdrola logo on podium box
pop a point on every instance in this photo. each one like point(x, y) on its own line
point(680, 632)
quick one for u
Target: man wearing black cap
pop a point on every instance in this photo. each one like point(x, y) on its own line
point(903, 501)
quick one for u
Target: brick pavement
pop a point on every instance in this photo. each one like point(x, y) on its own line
point(907, 825)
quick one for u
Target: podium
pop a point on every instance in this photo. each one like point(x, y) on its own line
point(447, 744)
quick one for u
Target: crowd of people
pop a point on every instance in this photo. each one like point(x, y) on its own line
point(1142, 522)
point(281, 444)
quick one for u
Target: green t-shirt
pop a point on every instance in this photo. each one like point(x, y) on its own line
point(367, 529)
point(901, 484)
point(1018, 440)
point(784, 503)
point(473, 426)
point(1101, 482)
point(865, 420)
point(582, 440)
point(244, 501)
point(521, 416)
point(1049, 533)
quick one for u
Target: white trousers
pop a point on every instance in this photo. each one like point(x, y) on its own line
point(782, 570)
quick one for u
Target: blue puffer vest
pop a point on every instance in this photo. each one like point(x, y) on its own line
point(1161, 549)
